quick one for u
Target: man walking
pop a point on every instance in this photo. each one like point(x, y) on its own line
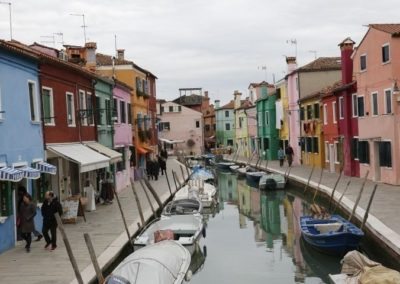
point(281, 156)
point(289, 155)
point(50, 206)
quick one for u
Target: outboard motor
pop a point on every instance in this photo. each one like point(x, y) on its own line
point(271, 184)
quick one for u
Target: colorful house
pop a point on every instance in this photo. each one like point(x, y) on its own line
point(21, 142)
point(209, 127)
point(282, 113)
point(225, 124)
point(376, 104)
point(241, 123)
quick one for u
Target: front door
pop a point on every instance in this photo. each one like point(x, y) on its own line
point(331, 158)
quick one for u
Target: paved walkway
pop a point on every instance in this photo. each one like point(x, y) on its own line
point(106, 230)
point(385, 210)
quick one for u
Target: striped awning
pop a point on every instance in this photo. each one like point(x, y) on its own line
point(30, 173)
point(46, 168)
point(11, 174)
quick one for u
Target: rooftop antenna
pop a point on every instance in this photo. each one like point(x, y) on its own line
point(9, 10)
point(50, 39)
point(264, 67)
point(293, 42)
point(60, 34)
point(315, 53)
point(84, 24)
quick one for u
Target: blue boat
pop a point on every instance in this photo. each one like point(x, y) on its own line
point(253, 177)
point(334, 236)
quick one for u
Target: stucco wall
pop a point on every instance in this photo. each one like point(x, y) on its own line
point(311, 82)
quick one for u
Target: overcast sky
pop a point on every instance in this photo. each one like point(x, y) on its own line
point(219, 45)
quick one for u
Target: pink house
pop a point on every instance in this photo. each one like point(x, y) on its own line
point(123, 136)
point(376, 66)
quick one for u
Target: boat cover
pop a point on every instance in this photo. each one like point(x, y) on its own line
point(201, 174)
point(165, 262)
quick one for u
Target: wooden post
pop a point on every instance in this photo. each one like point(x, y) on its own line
point(368, 207)
point(309, 178)
point(333, 190)
point(359, 196)
point(169, 185)
point(287, 174)
point(123, 217)
point(183, 173)
point(153, 192)
point(69, 250)
point(92, 253)
point(173, 176)
point(177, 180)
point(341, 197)
point(137, 202)
point(266, 164)
point(147, 197)
point(319, 183)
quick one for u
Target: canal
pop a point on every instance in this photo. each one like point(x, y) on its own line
point(254, 237)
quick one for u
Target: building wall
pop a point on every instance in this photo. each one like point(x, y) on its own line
point(252, 128)
point(104, 132)
point(284, 131)
point(311, 82)
point(331, 133)
point(241, 133)
point(294, 117)
point(269, 136)
point(223, 135)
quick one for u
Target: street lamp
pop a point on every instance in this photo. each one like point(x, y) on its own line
point(9, 9)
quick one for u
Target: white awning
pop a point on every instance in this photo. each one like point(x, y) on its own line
point(11, 174)
point(113, 155)
point(87, 159)
point(30, 173)
point(46, 168)
point(171, 141)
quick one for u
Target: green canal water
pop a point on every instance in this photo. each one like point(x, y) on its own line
point(254, 237)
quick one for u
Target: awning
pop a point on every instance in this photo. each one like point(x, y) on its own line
point(87, 159)
point(171, 141)
point(113, 155)
point(141, 150)
point(46, 168)
point(11, 174)
point(30, 173)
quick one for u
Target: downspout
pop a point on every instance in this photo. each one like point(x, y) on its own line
point(298, 114)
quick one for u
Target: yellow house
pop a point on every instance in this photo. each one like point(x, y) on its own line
point(282, 112)
point(138, 79)
point(312, 140)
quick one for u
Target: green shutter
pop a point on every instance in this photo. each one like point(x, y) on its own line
point(46, 106)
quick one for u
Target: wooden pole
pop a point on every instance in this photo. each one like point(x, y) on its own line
point(69, 249)
point(288, 172)
point(183, 173)
point(359, 196)
point(169, 185)
point(368, 207)
point(174, 178)
point(92, 253)
point(123, 217)
point(319, 183)
point(147, 197)
point(153, 192)
point(177, 180)
point(341, 197)
point(309, 178)
point(137, 202)
point(333, 190)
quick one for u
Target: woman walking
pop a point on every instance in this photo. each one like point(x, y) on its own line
point(27, 212)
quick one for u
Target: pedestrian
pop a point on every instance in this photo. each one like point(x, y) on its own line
point(281, 156)
point(163, 165)
point(289, 154)
point(27, 212)
point(21, 192)
point(156, 169)
point(109, 189)
point(50, 206)
point(149, 169)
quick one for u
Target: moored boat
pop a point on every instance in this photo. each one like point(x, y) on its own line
point(253, 178)
point(272, 181)
point(225, 166)
point(183, 207)
point(204, 191)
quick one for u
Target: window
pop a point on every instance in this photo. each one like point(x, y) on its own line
point(363, 152)
point(164, 126)
point(129, 110)
point(110, 115)
point(363, 62)
point(70, 109)
point(89, 107)
point(374, 103)
point(388, 101)
point(82, 107)
point(207, 127)
point(229, 142)
point(309, 112)
point(99, 111)
point(308, 144)
point(385, 53)
point(336, 151)
point(385, 154)
point(121, 164)
point(327, 158)
point(341, 108)
point(227, 126)
point(260, 119)
point(266, 143)
point(354, 105)
point(325, 114)
point(302, 113)
point(48, 106)
point(171, 108)
point(334, 112)
point(227, 113)
point(315, 146)
point(354, 148)
point(122, 111)
point(302, 144)
point(360, 106)
point(267, 118)
point(33, 101)
point(197, 124)
point(316, 110)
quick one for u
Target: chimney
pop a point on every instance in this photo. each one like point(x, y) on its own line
point(237, 95)
point(346, 50)
point(291, 64)
point(120, 54)
point(206, 94)
point(90, 55)
point(217, 103)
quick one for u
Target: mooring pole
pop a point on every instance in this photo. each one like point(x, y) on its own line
point(333, 190)
point(137, 202)
point(147, 197)
point(309, 178)
point(368, 207)
point(123, 217)
point(92, 253)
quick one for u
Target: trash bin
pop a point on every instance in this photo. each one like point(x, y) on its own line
point(91, 202)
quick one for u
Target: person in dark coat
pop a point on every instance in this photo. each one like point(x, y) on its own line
point(50, 206)
point(149, 169)
point(21, 192)
point(156, 169)
point(27, 212)
point(163, 165)
point(289, 154)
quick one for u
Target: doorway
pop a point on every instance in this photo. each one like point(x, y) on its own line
point(377, 168)
point(331, 158)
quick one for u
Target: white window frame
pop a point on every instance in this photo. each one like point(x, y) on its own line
point(89, 95)
point(325, 110)
point(372, 104)
point(354, 106)
point(35, 102)
point(52, 121)
point(366, 65)
point(82, 106)
point(388, 45)
point(358, 111)
point(335, 152)
point(391, 101)
point(73, 124)
point(260, 118)
point(334, 112)
point(1, 106)
point(341, 108)
point(266, 118)
point(327, 158)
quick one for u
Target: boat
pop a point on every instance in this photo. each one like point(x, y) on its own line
point(224, 165)
point(186, 230)
point(183, 207)
point(272, 181)
point(204, 191)
point(253, 177)
point(334, 235)
point(166, 262)
point(200, 173)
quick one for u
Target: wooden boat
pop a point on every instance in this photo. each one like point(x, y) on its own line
point(183, 207)
point(334, 235)
point(272, 181)
point(186, 229)
point(166, 262)
point(205, 192)
point(253, 177)
point(224, 165)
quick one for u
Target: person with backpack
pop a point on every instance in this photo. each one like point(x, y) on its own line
point(50, 206)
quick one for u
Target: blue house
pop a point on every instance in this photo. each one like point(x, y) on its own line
point(21, 136)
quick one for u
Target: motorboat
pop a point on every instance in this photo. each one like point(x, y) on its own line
point(333, 235)
point(183, 207)
point(225, 166)
point(186, 230)
point(200, 173)
point(166, 262)
point(253, 177)
point(204, 191)
point(272, 181)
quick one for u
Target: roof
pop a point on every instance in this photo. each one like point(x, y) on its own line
point(21, 50)
point(261, 84)
point(244, 104)
point(393, 29)
point(229, 105)
point(189, 100)
point(107, 60)
point(322, 64)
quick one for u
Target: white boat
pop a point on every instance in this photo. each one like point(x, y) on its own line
point(272, 181)
point(166, 262)
point(204, 191)
point(187, 230)
point(183, 207)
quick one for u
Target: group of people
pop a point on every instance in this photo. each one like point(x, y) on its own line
point(287, 153)
point(106, 189)
point(27, 212)
point(153, 167)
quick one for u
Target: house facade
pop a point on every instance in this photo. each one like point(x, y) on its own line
point(225, 124)
point(209, 127)
point(241, 125)
point(282, 113)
